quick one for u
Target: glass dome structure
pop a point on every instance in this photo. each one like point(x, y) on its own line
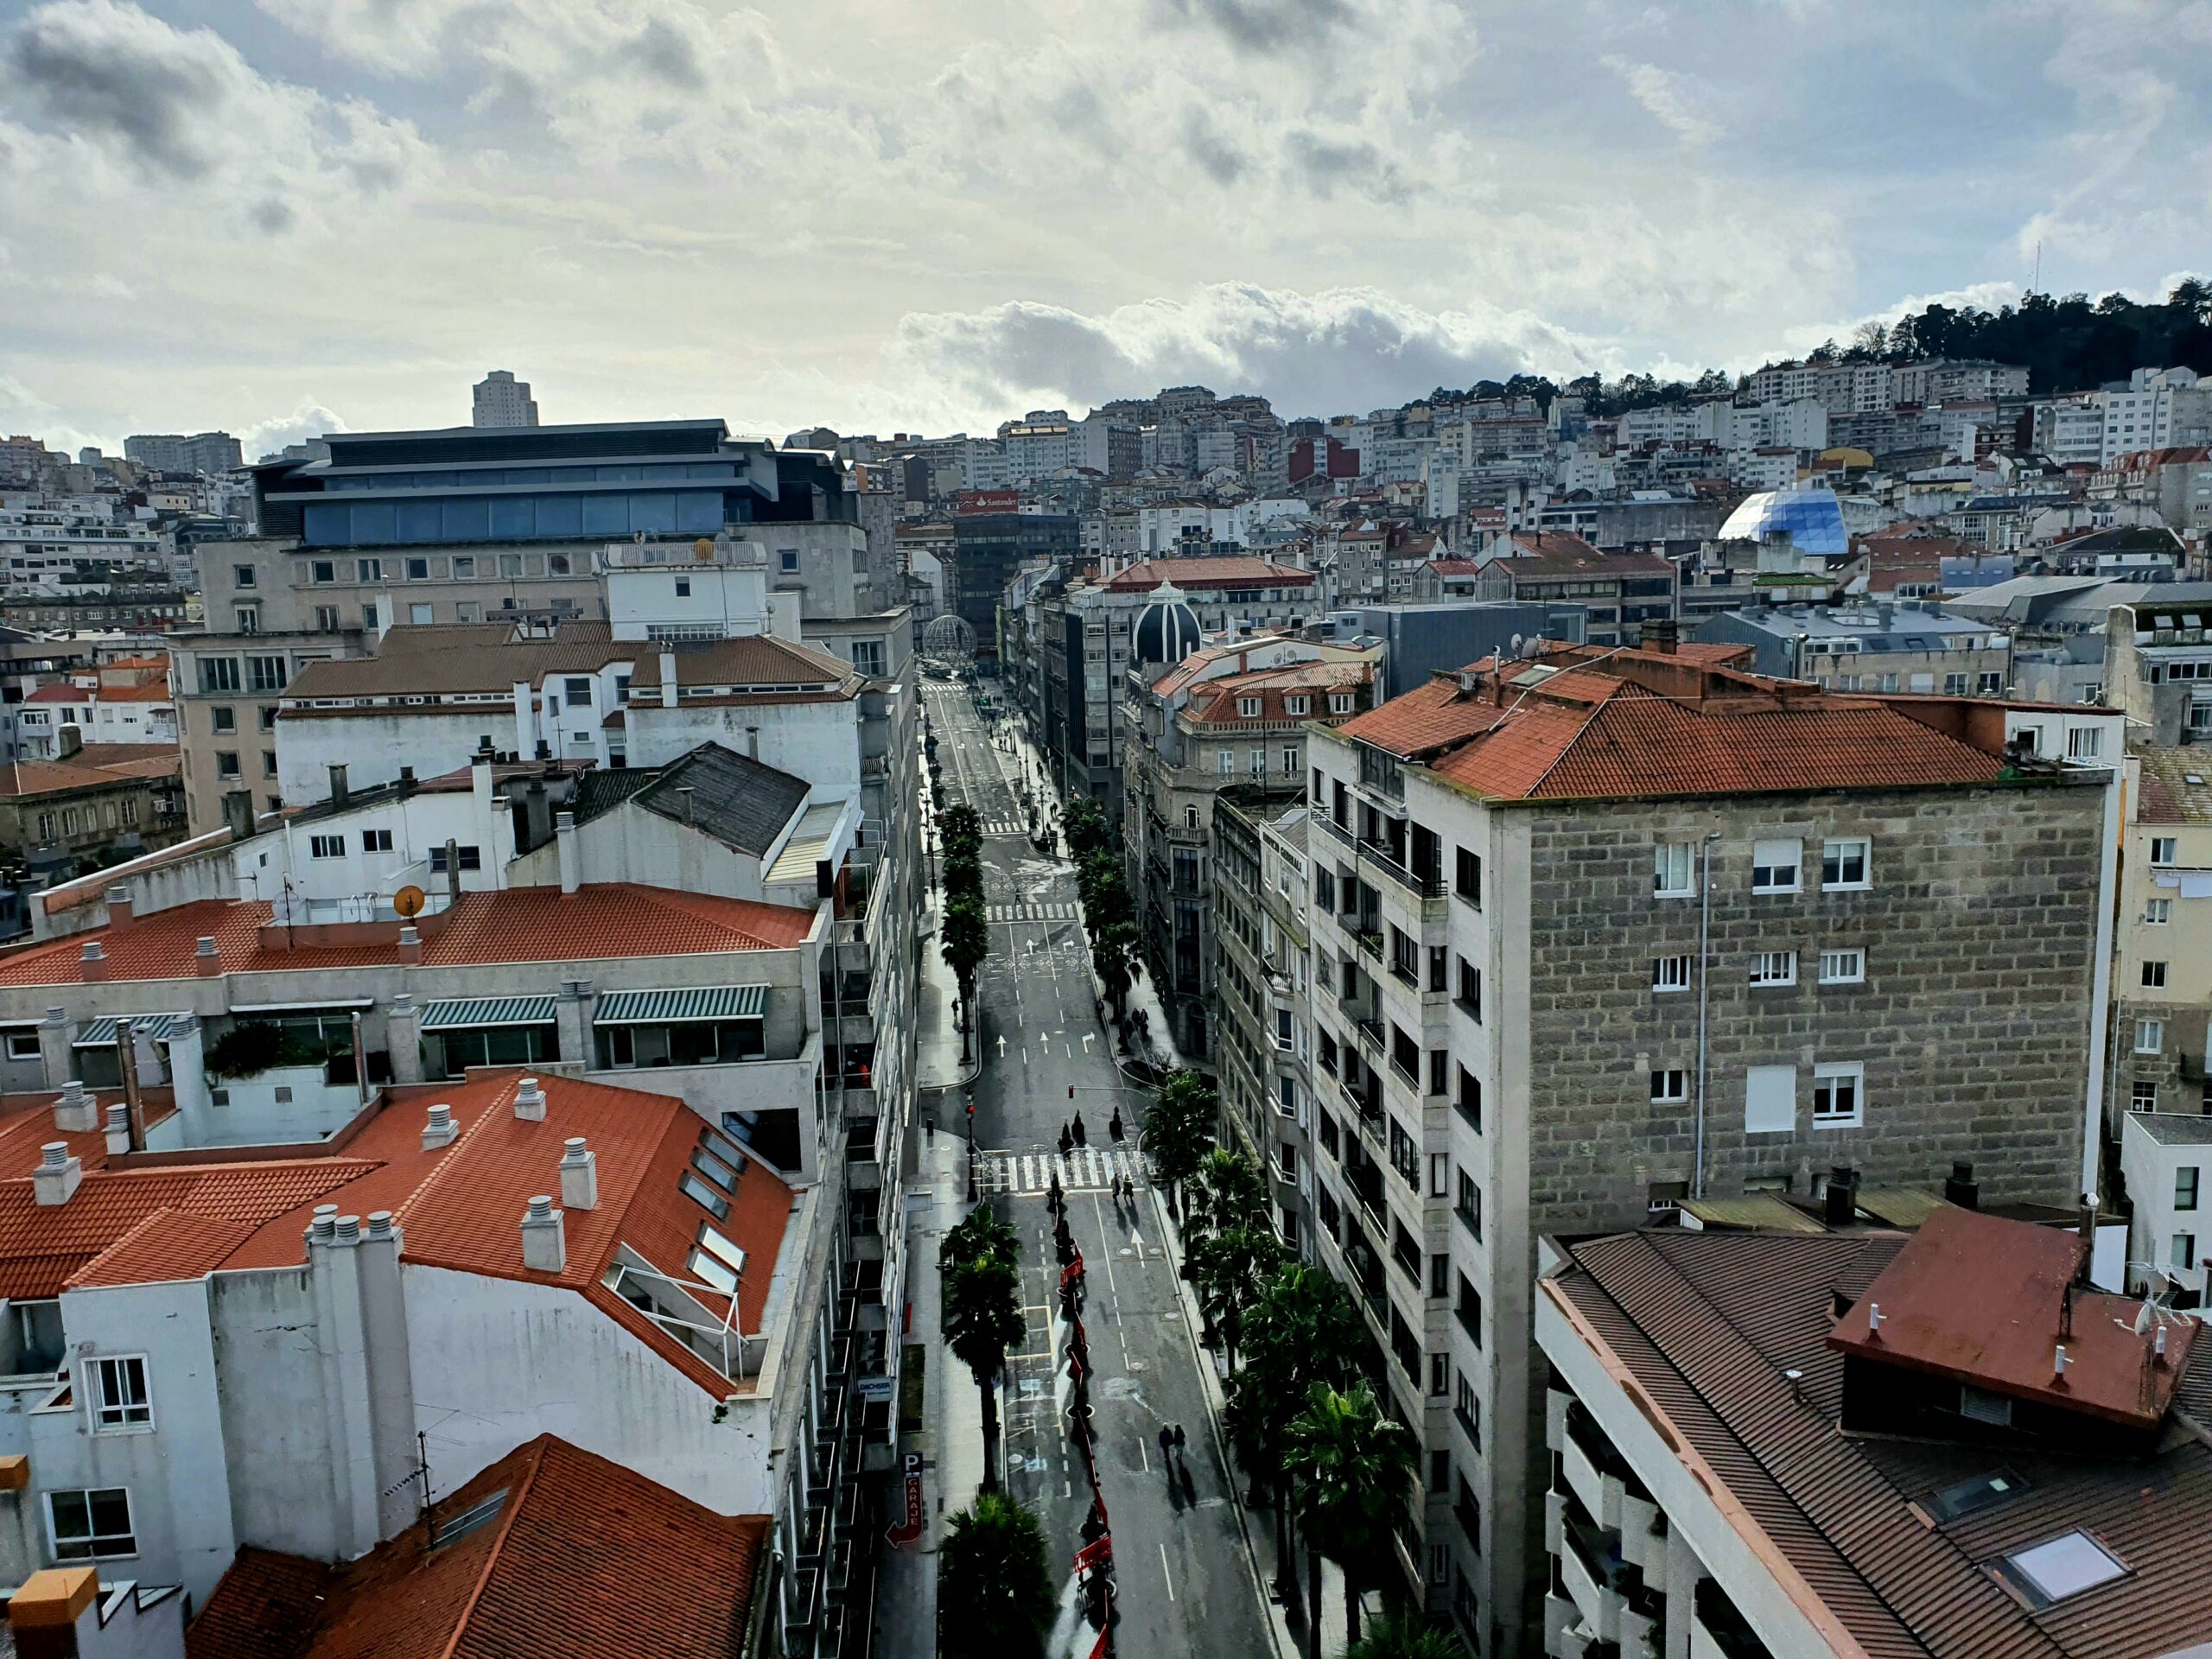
point(1811, 521)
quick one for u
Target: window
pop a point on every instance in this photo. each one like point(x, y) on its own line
point(787, 561)
point(1670, 874)
point(1837, 1092)
point(326, 619)
point(577, 689)
point(1670, 1087)
point(1467, 875)
point(2059, 1567)
point(703, 1195)
point(376, 841)
point(369, 617)
point(472, 858)
point(92, 1525)
point(2162, 848)
point(421, 615)
point(464, 567)
point(242, 575)
point(368, 569)
point(1469, 1206)
point(2184, 1180)
point(2084, 743)
point(225, 719)
point(510, 565)
point(226, 764)
point(868, 658)
point(1340, 703)
point(325, 846)
point(1955, 685)
point(268, 675)
point(1325, 889)
point(1774, 865)
point(419, 569)
point(1989, 685)
point(268, 764)
point(2154, 975)
point(1843, 966)
point(1297, 705)
point(1843, 864)
point(1773, 967)
point(1290, 760)
point(268, 721)
point(1470, 1310)
point(1247, 707)
point(218, 674)
point(2158, 912)
point(1227, 762)
point(1670, 973)
point(322, 570)
point(2149, 1036)
point(1769, 1099)
point(1468, 1407)
point(2143, 1095)
point(119, 1397)
point(1470, 1099)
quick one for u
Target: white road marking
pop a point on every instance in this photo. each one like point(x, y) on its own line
point(1170, 1577)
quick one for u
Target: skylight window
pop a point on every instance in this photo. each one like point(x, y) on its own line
point(704, 1195)
point(2059, 1567)
point(1965, 1498)
point(474, 1517)
point(713, 1169)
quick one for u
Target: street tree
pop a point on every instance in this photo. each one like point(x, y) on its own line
point(979, 1316)
point(1226, 1190)
point(1085, 821)
point(1302, 1328)
point(1407, 1638)
point(1351, 1465)
point(994, 1585)
point(1113, 954)
point(1233, 1264)
point(960, 826)
point(966, 942)
point(1179, 1129)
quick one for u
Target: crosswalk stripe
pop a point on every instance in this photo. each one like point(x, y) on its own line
point(1090, 1169)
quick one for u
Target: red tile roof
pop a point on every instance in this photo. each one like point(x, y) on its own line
point(1198, 576)
point(1587, 722)
point(98, 766)
point(600, 921)
point(1213, 702)
point(584, 1559)
point(166, 1244)
point(1550, 554)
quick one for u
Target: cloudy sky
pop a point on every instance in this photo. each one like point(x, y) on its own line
point(279, 216)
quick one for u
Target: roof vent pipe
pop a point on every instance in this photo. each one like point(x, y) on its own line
point(1873, 1319)
point(571, 854)
point(323, 1224)
point(347, 1230)
point(441, 1129)
point(1961, 1188)
point(2059, 1362)
point(58, 1175)
point(530, 1100)
point(544, 1248)
point(579, 1176)
point(118, 1129)
point(75, 1110)
point(379, 1224)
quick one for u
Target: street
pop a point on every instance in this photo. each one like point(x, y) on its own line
point(1184, 1571)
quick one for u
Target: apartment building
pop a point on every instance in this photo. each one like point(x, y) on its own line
point(172, 452)
point(126, 701)
point(2162, 969)
point(2154, 408)
point(84, 807)
point(1226, 719)
point(2164, 1159)
point(1851, 1442)
point(228, 688)
point(499, 399)
point(1906, 645)
point(1607, 930)
point(2159, 659)
point(1617, 593)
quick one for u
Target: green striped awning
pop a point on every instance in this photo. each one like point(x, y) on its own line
point(101, 1033)
point(675, 1007)
point(472, 1012)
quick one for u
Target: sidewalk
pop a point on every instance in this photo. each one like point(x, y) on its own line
point(950, 1440)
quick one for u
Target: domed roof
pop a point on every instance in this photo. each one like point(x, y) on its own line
point(1166, 631)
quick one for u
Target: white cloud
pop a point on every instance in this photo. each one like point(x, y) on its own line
point(307, 422)
point(1670, 100)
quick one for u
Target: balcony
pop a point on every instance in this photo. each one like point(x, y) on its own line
point(1595, 1472)
point(1718, 1630)
point(1596, 1603)
point(1334, 828)
point(863, 1166)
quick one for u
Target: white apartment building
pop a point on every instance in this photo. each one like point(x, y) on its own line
point(127, 700)
point(2166, 1159)
point(1608, 932)
point(499, 400)
point(2071, 430)
point(53, 551)
point(2157, 409)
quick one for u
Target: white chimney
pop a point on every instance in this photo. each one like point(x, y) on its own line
point(441, 1129)
point(572, 858)
point(58, 1175)
point(544, 1248)
point(579, 1176)
point(322, 1225)
point(1873, 1319)
point(2059, 1362)
point(118, 1129)
point(669, 697)
point(379, 1224)
point(75, 1112)
point(530, 1100)
point(346, 1229)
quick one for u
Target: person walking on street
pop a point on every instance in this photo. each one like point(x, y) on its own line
point(1178, 1440)
point(1080, 1139)
point(1114, 1126)
point(1166, 1446)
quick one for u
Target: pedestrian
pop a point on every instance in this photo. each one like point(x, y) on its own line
point(1080, 1139)
point(1178, 1440)
point(1167, 1445)
point(1114, 1126)
point(1067, 1142)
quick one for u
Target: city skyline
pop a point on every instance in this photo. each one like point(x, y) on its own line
point(275, 217)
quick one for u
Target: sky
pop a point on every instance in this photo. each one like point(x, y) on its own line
point(282, 217)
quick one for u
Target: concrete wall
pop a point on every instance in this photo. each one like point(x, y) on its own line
point(818, 741)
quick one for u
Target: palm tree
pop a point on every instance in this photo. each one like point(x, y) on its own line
point(1302, 1328)
point(1085, 822)
point(1113, 953)
point(1351, 1465)
point(994, 1588)
point(1226, 1190)
point(979, 1312)
point(966, 942)
point(1179, 1129)
point(1407, 1638)
point(1232, 1265)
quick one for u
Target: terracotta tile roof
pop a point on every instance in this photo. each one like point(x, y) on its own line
point(167, 1244)
point(1455, 567)
point(1551, 553)
point(2165, 794)
point(1214, 703)
point(584, 1558)
point(1587, 722)
point(433, 666)
point(601, 921)
point(1198, 575)
point(1724, 1336)
point(98, 766)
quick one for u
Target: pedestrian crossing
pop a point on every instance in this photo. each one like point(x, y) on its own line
point(1084, 1170)
point(1039, 911)
point(1006, 827)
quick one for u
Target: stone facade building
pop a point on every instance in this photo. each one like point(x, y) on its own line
point(1608, 936)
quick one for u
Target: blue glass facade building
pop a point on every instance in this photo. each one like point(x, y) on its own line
point(1811, 521)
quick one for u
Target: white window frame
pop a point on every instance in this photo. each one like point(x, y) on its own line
point(1774, 968)
point(1830, 1073)
point(1770, 858)
point(2084, 743)
point(1670, 1085)
point(2158, 912)
point(111, 1416)
point(2163, 848)
point(2149, 1036)
point(1839, 847)
point(327, 847)
point(1769, 1100)
point(16, 1049)
point(2154, 975)
point(1669, 881)
point(1669, 975)
point(1843, 964)
point(87, 1548)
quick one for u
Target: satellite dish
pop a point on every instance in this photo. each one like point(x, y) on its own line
point(408, 901)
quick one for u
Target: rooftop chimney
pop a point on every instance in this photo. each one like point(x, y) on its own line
point(75, 1111)
point(69, 741)
point(379, 1224)
point(53, 1607)
point(410, 943)
point(572, 857)
point(1660, 633)
point(322, 1225)
point(2059, 1362)
point(668, 694)
point(1873, 1319)
point(118, 908)
point(94, 969)
point(441, 1129)
point(453, 869)
point(207, 957)
point(579, 1176)
point(2089, 1238)
point(339, 794)
point(406, 780)
point(544, 1247)
point(346, 1229)
point(58, 1175)
point(1961, 1188)
point(530, 1100)
point(238, 813)
point(118, 1129)
point(1839, 1204)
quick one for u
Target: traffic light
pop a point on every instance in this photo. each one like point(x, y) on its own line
point(1071, 1092)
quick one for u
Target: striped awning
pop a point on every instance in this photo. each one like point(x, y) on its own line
point(472, 1012)
point(101, 1033)
point(675, 1007)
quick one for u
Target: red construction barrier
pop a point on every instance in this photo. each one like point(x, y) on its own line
point(1095, 1554)
point(1072, 1272)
